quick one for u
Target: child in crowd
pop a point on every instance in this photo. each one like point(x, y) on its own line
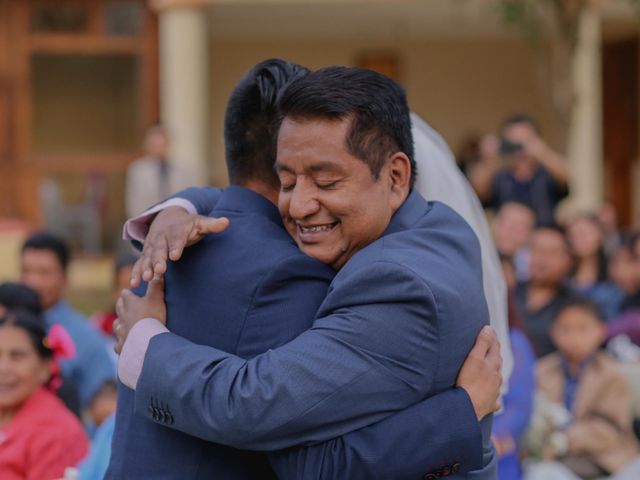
point(597, 439)
point(39, 437)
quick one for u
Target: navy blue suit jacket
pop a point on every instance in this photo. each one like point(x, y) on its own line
point(389, 333)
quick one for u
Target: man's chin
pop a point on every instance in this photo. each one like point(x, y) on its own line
point(318, 253)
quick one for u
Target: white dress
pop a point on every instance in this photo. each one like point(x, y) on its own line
point(440, 179)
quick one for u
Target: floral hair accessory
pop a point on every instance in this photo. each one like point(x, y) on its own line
point(60, 343)
point(63, 347)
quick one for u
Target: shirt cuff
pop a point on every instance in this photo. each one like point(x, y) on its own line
point(136, 228)
point(134, 349)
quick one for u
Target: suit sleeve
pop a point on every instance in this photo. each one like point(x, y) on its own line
point(447, 422)
point(200, 200)
point(204, 199)
point(375, 353)
point(439, 431)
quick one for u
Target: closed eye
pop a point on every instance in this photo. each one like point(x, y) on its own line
point(327, 186)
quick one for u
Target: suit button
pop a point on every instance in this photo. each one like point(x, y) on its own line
point(156, 414)
point(170, 419)
point(150, 410)
point(455, 468)
point(445, 472)
point(430, 476)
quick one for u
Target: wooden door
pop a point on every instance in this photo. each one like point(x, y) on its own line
point(620, 123)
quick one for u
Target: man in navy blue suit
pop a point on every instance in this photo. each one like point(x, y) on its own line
point(399, 357)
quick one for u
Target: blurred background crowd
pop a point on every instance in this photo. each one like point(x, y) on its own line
point(108, 106)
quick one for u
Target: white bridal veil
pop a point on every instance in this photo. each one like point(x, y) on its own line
point(440, 179)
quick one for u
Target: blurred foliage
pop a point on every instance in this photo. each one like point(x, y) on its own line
point(552, 28)
point(536, 20)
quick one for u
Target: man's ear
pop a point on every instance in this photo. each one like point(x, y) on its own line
point(398, 173)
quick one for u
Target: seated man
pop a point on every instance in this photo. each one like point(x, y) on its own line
point(43, 265)
point(387, 332)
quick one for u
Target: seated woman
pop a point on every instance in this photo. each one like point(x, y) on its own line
point(18, 296)
point(39, 437)
point(590, 275)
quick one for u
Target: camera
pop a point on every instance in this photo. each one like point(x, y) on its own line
point(510, 148)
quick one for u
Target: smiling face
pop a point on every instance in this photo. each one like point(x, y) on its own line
point(22, 370)
point(329, 200)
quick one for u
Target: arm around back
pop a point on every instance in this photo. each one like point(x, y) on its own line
point(438, 433)
point(374, 344)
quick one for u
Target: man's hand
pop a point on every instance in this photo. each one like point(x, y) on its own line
point(131, 309)
point(489, 149)
point(171, 231)
point(480, 374)
point(504, 446)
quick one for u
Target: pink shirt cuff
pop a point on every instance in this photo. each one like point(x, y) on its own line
point(135, 348)
point(136, 228)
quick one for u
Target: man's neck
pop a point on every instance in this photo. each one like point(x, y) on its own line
point(262, 188)
point(539, 295)
point(587, 272)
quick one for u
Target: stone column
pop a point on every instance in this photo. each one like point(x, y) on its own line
point(585, 136)
point(184, 82)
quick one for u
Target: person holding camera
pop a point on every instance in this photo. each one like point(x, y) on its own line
point(519, 166)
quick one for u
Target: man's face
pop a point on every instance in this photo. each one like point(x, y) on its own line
point(156, 143)
point(550, 260)
point(512, 227)
point(329, 200)
point(41, 270)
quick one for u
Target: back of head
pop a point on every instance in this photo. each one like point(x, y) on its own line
point(252, 119)
point(376, 105)
point(19, 296)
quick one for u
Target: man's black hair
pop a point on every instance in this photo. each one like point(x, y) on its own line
point(376, 105)
point(51, 243)
point(252, 119)
point(17, 295)
point(520, 118)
